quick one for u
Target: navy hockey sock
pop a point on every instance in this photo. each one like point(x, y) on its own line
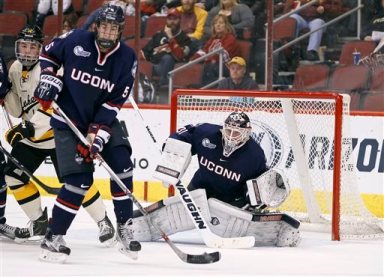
point(119, 160)
point(68, 201)
point(3, 201)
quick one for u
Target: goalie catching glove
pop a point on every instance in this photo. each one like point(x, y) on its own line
point(23, 130)
point(98, 135)
point(268, 190)
point(174, 161)
point(48, 89)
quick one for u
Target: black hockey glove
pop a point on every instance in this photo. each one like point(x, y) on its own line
point(48, 89)
point(98, 135)
point(23, 130)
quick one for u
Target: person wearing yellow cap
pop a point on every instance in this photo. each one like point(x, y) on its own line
point(238, 79)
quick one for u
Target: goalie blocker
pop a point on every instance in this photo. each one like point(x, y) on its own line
point(225, 220)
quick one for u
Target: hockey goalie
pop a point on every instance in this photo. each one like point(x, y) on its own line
point(233, 187)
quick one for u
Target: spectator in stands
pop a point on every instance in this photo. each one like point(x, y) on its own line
point(239, 15)
point(46, 6)
point(168, 46)
point(192, 19)
point(377, 24)
point(238, 79)
point(69, 22)
point(310, 17)
point(222, 36)
point(126, 5)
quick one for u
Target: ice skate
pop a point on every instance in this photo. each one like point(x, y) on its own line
point(106, 232)
point(54, 249)
point(14, 233)
point(127, 245)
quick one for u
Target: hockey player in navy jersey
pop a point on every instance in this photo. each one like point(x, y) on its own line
point(32, 142)
point(98, 76)
point(232, 175)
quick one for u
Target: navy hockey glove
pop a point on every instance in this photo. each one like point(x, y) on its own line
point(48, 88)
point(23, 130)
point(98, 135)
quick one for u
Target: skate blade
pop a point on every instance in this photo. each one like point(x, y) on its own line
point(109, 243)
point(134, 255)
point(51, 257)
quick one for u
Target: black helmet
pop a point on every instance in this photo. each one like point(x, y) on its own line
point(236, 132)
point(31, 32)
point(110, 14)
point(238, 119)
point(28, 45)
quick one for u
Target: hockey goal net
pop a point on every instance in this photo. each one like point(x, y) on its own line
point(306, 135)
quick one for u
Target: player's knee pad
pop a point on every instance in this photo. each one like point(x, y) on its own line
point(267, 229)
point(170, 215)
point(15, 177)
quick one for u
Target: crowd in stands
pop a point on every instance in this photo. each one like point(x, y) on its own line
point(175, 32)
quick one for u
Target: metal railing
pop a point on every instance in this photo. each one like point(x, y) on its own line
point(219, 51)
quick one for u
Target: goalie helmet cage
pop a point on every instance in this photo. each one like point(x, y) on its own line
point(304, 134)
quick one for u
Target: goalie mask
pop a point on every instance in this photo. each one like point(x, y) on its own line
point(236, 132)
point(109, 26)
point(28, 45)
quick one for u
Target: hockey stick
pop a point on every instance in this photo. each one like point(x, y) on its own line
point(204, 258)
point(209, 238)
point(45, 187)
point(48, 189)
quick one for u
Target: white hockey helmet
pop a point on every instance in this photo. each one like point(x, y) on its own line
point(236, 132)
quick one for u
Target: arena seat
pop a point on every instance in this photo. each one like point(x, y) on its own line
point(146, 68)
point(245, 48)
point(284, 29)
point(78, 6)
point(373, 101)
point(311, 77)
point(81, 21)
point(348, 78)
point(154, 24)
point(129, 28)
point(24, 6)
point(194, 73)
point(93, 5)
point(377, 80)
point(50, 25)
point(11, 23)
point(364, 47)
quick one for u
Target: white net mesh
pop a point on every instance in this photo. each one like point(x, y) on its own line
point(310, 127)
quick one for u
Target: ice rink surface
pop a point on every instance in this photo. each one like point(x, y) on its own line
point(316, 255)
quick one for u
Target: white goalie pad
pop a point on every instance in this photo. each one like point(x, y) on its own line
point(269, 189)
point(268, 229)
point(174, 161)
point(170, 215)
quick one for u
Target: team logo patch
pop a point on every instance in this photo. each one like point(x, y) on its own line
point(207, 143)
point(215, 221)
point(79, 51)
point(78, 158)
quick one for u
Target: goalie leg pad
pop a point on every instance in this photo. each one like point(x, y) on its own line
point(267, 229)
point(170, 215)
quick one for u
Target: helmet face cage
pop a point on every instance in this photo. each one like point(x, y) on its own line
point(236, 132)
point(110, 25)
point(28, 45)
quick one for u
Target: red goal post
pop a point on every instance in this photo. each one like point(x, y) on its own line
point(289, 118)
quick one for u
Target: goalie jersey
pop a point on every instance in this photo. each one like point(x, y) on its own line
point(20, 103)
point(94, 89)
point(222, 177)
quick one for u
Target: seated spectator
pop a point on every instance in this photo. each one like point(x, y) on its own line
point(239, 15)
point(377, 24)
point(309, 17)
point(126, 5)
point(44, 7)
point(222, 36)
point(238, 79)
point(168, 46)
point(192, 19)
point(69, 22)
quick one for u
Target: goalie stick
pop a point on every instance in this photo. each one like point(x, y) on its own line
point(45, 187)
point(209, 238)
point(204, 258)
